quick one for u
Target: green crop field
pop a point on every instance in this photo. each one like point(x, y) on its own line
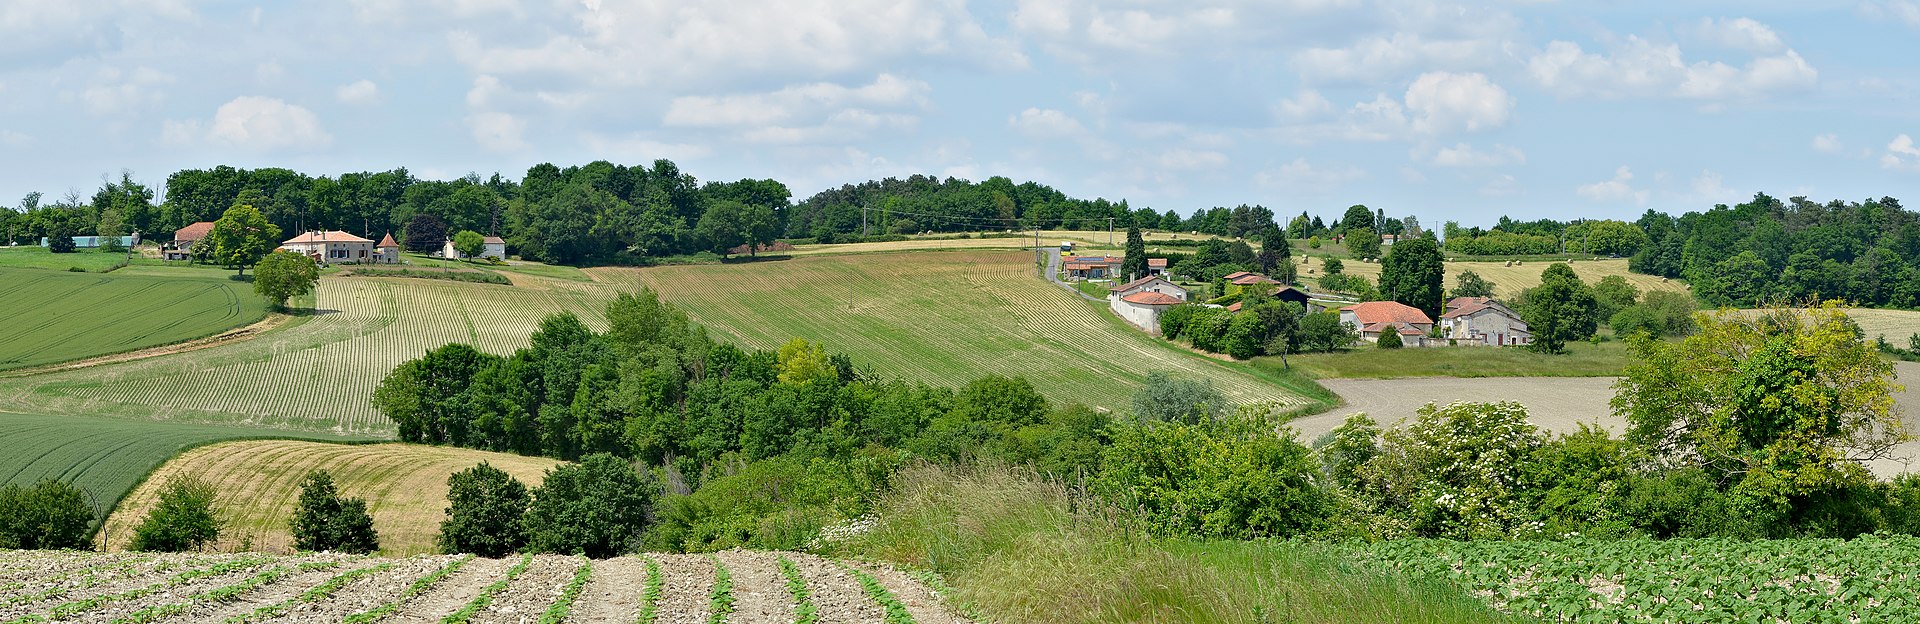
point(39, 258)
point(317, 375)
point(56, 316)
point(104, 456)
point(1870, 579)
point(942, 318)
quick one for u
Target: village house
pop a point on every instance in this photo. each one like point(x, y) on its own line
point(1482, 321)
point(331, 247)
point(1287, 294)
point(1156, 266)
point(1091, 267)
point(1249, 278)
point(1373, 318)
point(183, 239)
point(1142, 301)
point(495, 248)
point(387, 252)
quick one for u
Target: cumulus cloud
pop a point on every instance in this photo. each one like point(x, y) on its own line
point(1907, 11)
point(499, 132)
point(253, 122)
point(1710, 188)
point(1502, 185)
point(1182, 159)
point(1308, 104)
point(1618, 189)
point(805, 113)
point(1739, 34)
point(1380, 57)
point(1046, 123)
point(1464, 155)
point(1827, 143)
point(1901, 154)
point(116, 92)
point(1446, 102)
point(1641, 68)
point(359, 92)
point(1304, 177)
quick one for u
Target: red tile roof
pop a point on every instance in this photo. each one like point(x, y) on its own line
point(193, 232)
point(1387, 312)
point(1136, 283)
point(1148, 297)
point(1249, 279)
point(1156, 263)
point(1237, 274)
point(329, 236)
point(387, 241)
point(494, 240)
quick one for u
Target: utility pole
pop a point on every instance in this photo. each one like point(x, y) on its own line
point(863, 220)
point(1109, 231)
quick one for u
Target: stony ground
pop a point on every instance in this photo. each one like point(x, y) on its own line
point(125, 588)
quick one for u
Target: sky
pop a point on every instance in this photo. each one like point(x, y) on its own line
point(1436, 109)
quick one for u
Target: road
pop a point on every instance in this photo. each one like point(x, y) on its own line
point(1053, 273)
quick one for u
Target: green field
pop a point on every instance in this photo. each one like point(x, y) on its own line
point(1870, 579)
point(1582, 359)
point(57, 316)
point(942, 318)
point(36, 257)
point(106, 457)
point(320, 374)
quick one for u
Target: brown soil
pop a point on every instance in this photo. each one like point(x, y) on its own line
point(759, 589)
point(106, 579)
point(687, 589)
point(365, 593)
point(455, 591)
point(613, 592)
point(181, 593)
point(836, 593)
point(528, 596)
point(288, 587)
point(272, 321)
point(921, 601)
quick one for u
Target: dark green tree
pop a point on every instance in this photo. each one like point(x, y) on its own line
point(1470, 284)
point(1357, 217)
point(183, 520)
point(484, 510)
point(1134, 265)
point(1363, 243)
point(1389, 338)
point(424, 233)
point(1412, 274)
point(1560, 310)
point(49, 515)
point(241, 237)
point(326, 521)
point(283, 275)
point(60, 236)
point(597, 507)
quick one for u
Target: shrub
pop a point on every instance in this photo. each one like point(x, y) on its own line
point(1324, 332)
point(1174, 320)
point(597, 508)
point(484, 507)
point(772, 504)
point(1163, 398)
point(183, 520)
point(49, 515)
point(1207, 481)
point(326, 521)
point(1455, 472)
point(1389, 338)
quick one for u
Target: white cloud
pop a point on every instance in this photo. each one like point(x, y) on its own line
point(1464, 155)
point(1907, 11)
point(1305, 177)
point(12, 138)
point(1739, 34)
point(1618, 189)
point(1046, 123)
point(1901, 154)
point(362, 91)
point(1380, 58)
point(1828, 144)
point(1114, 34)
point(641, 149)
point(1446, 102)
point(29, 27)
point(499, 132)
point(1182, 159)
point(1502, 185)
point(485, 89)
point(1641, 68)
point(116, 92)
point(253, 122)
point(1308, 104)
point(806, 113)
point(1710, 188)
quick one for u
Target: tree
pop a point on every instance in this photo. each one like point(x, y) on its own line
point(1245, 335)
point(484, 510)
point(1276, 257)
point(60, 236)
point(1613, 294)
point(1412, 274)
point(1323, 331)
point(326, 521)
point(1166, 399)
point(183, 520)
point(1455, 472)
point(469, 244)
point(597, 507)
point(1662, 314)
point(1389, 338)
point(424, 233)
point(1134, 265)
point(1358, 217)
point(283, 275)
point(1783, 405)
point(1363, 243)
point(49, 515)
point(729, 224)
point(241, 237)
point(1333, 266)
point(1470, 284)
point(1560, 310)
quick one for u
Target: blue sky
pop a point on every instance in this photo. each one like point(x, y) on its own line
point(1442, 110)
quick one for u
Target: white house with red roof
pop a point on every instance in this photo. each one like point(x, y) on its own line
point(1142, 301)
point(1483, 321)
point(387, 252)
point(492, 247)
point(1373, 318)
point(331, 247)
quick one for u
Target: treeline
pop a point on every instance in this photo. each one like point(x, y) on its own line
point(1765, 249)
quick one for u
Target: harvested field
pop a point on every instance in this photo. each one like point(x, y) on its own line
point(325, 587)
point(58, 316)
point(941, 318)
point(1509, 280)
point(1895, 325)
point(405, 486)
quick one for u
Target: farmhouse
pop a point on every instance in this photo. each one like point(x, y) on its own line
point(495, 248)
point(1142, 301)
point(1374, 317)
point(183, 239)
point(387, 252)
point(1245, 278)
point(331, 247)
point(1284, 293)
point(1482, 321)
point(1092, 267)
point(1156, 266)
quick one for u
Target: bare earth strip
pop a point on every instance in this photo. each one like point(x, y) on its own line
point(107, 579)
point(920, 600)
point(529, 595)
point(365, 593)
point(276, 593)
point(1556, 404)
point(613, 592)
point(453, 592)
point(181, 593)
point(759, 590)
point(687, 588)
point(836, 593)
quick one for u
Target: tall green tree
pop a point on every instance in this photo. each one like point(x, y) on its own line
point(1134, 265)
point(283, 275)
point(1470, 284)
point(323, 520)
point(1363, 243)
point(597, 507)
point(1560, 310)
point(1413, 274)
point(469, 244)
point(1358, 217)
point(484, 510)
point(183, 520)
point(241, 237)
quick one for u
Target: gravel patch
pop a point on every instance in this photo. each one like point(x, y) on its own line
point(920, 600)
point(836, 593)
point(613, 592)
point(367, 592)
point(528, 596)
point(687, 588)
point(453, 592)
point(759, 590)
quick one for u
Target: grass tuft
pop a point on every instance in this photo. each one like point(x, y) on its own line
point(563, 605)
